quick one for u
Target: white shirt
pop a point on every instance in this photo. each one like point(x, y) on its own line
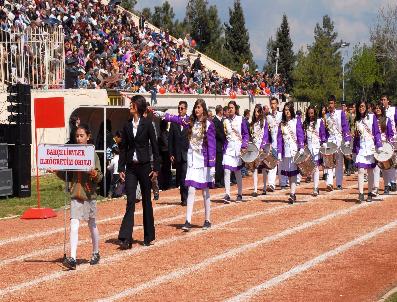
point(390, 111)
point(134, 130)
point(334, 125)
point(274, 120)
point(114, 164)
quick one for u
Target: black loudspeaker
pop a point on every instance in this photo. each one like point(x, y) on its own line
point(20, 163)
point(6, 182)
point(3, 156)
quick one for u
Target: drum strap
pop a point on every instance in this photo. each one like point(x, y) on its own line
point(366, 128)
point(235, 131)
point(314, 131)
point(291, 133)
point(333, 124)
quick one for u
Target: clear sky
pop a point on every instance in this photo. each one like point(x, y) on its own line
point(353, 19)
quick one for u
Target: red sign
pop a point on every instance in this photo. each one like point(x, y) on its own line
point(49, 112)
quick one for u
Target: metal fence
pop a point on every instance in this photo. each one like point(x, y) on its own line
point(34, 56)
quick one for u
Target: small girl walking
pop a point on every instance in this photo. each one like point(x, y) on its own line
point(83, 202)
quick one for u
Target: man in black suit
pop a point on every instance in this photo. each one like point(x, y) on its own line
point(134, 167)
point(220, 141)
point(178, 144)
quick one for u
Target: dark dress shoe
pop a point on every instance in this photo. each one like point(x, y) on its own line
point(147, 243)
point(70, 263)
point(126, 245)
point(183, 203)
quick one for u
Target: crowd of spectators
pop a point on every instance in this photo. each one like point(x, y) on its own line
point(105, 49)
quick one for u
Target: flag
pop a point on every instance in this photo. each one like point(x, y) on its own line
point(49, 112)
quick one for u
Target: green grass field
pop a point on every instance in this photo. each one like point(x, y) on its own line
point(52, 195)
point(392, 298)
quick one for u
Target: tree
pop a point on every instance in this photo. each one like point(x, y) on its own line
point(237, 38)
point(384, 43)
point(128, 4)
point(270, 65)
point(146, 13)
point(363, 72)
point(286, 59)
point(163, 17)
point(318, 72)
point(196, 22)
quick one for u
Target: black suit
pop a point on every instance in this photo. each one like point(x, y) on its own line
point(220, 137)
point(178, 144)
point(138, 171)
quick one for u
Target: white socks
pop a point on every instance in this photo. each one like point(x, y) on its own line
point(74, 236)
point(190, 203)
point(316, 177)
point(361, 172)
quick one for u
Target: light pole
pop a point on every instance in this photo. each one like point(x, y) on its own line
point(277, 57)
point(343, 45)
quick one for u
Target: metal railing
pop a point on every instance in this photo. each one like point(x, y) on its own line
point(33, 56)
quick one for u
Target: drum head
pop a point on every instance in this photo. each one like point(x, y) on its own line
point(330, 148)
point(346, 150)
point(386, 153)
point(299, 158)
point(251, 154)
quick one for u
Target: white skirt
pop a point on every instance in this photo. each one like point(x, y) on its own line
point(82, 210)
point(288, 167)
point(365, 161)
point(232, 163)
point(199, 178)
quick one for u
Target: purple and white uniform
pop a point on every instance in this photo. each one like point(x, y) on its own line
point(200, 155)
point(236, 138)
point(290, 139)
point(368, 137)
point(315, 136)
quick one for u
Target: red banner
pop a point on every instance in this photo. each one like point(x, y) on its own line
point(49, 112)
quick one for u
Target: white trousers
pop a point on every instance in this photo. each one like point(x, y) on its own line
point(338, 171)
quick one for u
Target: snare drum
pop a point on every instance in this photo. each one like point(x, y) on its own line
point(346, 151)
point(250, 154)
point(270, 159)
point(386, 159)
point(329, 155)
point(305, 162)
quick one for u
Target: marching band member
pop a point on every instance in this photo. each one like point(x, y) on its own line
point(236, 142)
point(290, 139)
point(386, 130)
point(260, 137)
point(201, 157)
point(314, 136)
point(391, 113)
point(366, 138)
point(274, 120)
point(337, 130)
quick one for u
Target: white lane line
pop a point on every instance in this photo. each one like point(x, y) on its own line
point(247, 295)
point(58, 247)
point(24, 237)
point(138, 250)
point(169, 277)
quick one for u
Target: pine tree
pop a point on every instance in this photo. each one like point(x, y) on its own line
point(237, 38)
point(286, 59)
point(318, 72)
point(128, 4)
point(163, 17)
point(270, 65)
point(196, 22)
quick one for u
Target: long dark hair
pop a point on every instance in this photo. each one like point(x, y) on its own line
point(290, 106)
point(260, 118)
point(358, 114)
point(193, 118)
point(382, 120)
point(306, 123)
point(236, 107)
